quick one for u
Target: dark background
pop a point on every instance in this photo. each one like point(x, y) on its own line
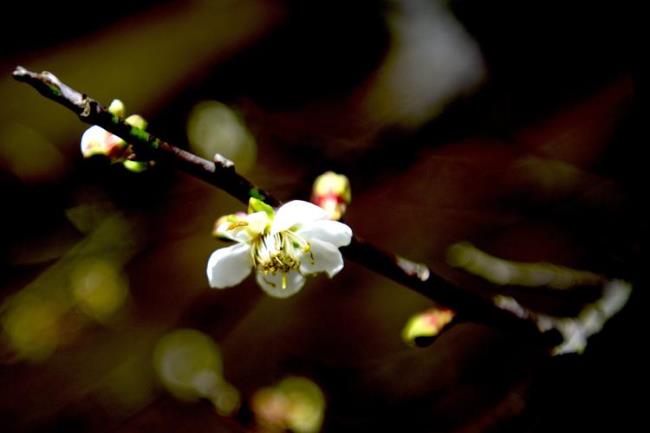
point(560, 81)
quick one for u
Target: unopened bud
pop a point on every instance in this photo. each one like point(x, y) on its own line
point(135, 166)
point(117, 108)
point(423, 327)
point(97, 141)
point(137, 121)
point(332, 192)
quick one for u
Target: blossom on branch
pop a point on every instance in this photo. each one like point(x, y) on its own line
point(283, 246)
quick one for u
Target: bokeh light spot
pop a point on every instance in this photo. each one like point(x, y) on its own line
point(31, 327)
point(296, 403)
point(189, 366)
point(28, 155)
point(99, 288)
point(213, 128)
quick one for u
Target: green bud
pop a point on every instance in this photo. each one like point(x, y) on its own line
point(421, 328)
point(135, 166)
point(117, 108)
point(256, 205)
point(137, 121)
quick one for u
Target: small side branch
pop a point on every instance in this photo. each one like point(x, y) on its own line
point(222, 174)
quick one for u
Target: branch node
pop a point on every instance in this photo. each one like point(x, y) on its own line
point(223, 161)
point(20, 72)
point(87, 106)
point(418, 270)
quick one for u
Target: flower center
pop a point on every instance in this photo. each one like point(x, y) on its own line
point(278, 252)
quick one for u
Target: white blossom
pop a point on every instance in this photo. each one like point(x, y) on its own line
point(283, 246)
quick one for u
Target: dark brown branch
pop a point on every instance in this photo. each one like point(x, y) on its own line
point(222, 174)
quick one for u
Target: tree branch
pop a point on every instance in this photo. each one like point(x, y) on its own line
point(222, 174)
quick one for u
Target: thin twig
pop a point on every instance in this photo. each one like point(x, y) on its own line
point(222, 174)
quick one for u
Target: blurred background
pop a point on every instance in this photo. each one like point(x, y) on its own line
point(513, 125)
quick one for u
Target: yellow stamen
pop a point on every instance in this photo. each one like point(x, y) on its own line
point(237, 224)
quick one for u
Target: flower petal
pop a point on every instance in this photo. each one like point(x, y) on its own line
point(98, 141)
point(242, 227)
point(323, 257)
point(272, 283)
point(232, 227)
point(296, 213)
point(229, 266)
point(257, 223)
point(92, 141)
point(334, 232)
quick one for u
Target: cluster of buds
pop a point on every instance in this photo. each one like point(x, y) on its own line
point(331, 192)
point(98, 141)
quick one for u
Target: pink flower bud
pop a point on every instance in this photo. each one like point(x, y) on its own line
point(332, 193)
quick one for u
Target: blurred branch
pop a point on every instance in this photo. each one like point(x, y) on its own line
point(222, 174)
point(498, 271)
point(575, 330)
